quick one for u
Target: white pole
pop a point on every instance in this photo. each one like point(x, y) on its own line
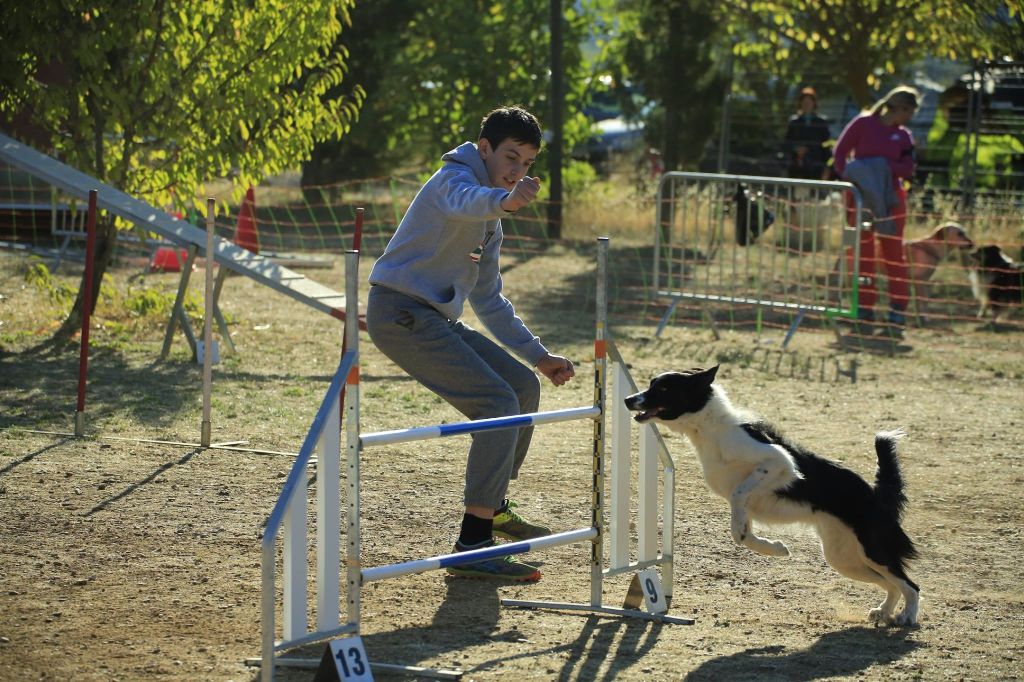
point(459, 558)
point(477, 425)
point(294, 559)
point(668, 531)
point(267, 606)
point(208, 325)
point(647, 491)
point(622, 471)
point(328, 519)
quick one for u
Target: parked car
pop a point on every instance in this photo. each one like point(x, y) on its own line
point(614, 133)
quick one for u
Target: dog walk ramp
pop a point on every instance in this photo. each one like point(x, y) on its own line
point(235, 258)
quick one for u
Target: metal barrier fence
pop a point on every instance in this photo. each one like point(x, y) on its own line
point(757, 242)
point(290, 511)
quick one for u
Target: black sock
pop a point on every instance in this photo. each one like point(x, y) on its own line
point(475, 530)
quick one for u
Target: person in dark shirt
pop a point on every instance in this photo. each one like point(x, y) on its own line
point(806, 136)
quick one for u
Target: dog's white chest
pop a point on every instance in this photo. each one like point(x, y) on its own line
point(719, 481)
point(721, 476)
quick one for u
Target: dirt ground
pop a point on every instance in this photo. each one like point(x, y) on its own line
point(129, 559)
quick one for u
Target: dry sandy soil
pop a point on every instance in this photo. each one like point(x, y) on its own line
point(127, 559)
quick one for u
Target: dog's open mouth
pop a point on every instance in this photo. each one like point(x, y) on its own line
point(645, 415)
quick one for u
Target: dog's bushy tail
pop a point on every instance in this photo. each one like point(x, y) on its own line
point(889, 478)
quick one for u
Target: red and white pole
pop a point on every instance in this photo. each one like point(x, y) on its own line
point(357, 240)
point(83, 356)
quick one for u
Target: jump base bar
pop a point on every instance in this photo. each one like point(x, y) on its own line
point(605, 610)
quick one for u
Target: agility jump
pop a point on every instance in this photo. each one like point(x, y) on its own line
point(290, 510)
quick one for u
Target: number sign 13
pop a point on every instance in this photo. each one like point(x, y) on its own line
point(350, 660)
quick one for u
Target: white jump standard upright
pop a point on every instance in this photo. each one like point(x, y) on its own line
point(652, 451)
point(290, 511)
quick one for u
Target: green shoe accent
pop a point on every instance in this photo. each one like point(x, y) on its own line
point(509, 525)
point(502, 568)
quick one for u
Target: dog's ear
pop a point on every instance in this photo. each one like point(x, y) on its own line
point(709, 374)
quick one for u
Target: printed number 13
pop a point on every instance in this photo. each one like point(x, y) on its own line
point(358, 667)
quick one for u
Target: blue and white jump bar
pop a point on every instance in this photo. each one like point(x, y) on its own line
point(474, 555)
point(493, 424)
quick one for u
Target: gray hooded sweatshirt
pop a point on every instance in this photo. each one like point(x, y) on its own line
point(446, 248)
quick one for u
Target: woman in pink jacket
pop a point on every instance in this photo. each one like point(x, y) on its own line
point(880, 132)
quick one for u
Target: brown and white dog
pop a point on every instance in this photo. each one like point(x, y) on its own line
point(924, 255)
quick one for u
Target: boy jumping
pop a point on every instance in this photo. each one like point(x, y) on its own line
point(444, 253)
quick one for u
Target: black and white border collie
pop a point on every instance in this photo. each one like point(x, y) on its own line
point(996, 281)
point(768, 479)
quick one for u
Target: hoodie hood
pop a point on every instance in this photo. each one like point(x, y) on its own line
point(468, 154)
point(446, 250)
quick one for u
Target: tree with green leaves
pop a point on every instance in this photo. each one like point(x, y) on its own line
point(379, 34)
point(441, 66)
point(671, 50)
point(465, 58)
point(866, 41)
point(158, 97)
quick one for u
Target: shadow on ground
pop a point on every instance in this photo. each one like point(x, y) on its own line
point(40, 391)
point(835, 654)
point(468, 618)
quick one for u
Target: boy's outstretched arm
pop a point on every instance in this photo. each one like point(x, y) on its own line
point(556, 368)
point(522, 194)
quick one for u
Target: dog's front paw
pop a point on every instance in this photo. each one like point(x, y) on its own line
point(905, 619)
point(770, 547)
point(879, 616)
point(766, 547)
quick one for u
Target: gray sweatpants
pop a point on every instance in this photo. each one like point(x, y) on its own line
point(475, 375)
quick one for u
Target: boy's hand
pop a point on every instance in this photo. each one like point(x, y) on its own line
point(556, 368)
point(522, 194)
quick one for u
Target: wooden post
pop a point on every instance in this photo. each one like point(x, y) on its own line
point(211, 206)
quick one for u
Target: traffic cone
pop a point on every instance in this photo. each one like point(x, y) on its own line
point(245, 231)
point(168, 259)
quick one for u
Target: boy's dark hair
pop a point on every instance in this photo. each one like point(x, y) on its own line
point(514, 122)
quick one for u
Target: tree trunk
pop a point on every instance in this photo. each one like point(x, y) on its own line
point(106, 240)
point(857, 81)
point(857, 68)
point(674, 99)
point(555, 149)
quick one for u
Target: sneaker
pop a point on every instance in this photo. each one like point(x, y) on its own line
point(897, 320)
point(501, 568)
point(508, 525)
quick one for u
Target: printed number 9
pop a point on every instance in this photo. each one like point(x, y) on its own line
point(358, 668)
point(651, 590)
